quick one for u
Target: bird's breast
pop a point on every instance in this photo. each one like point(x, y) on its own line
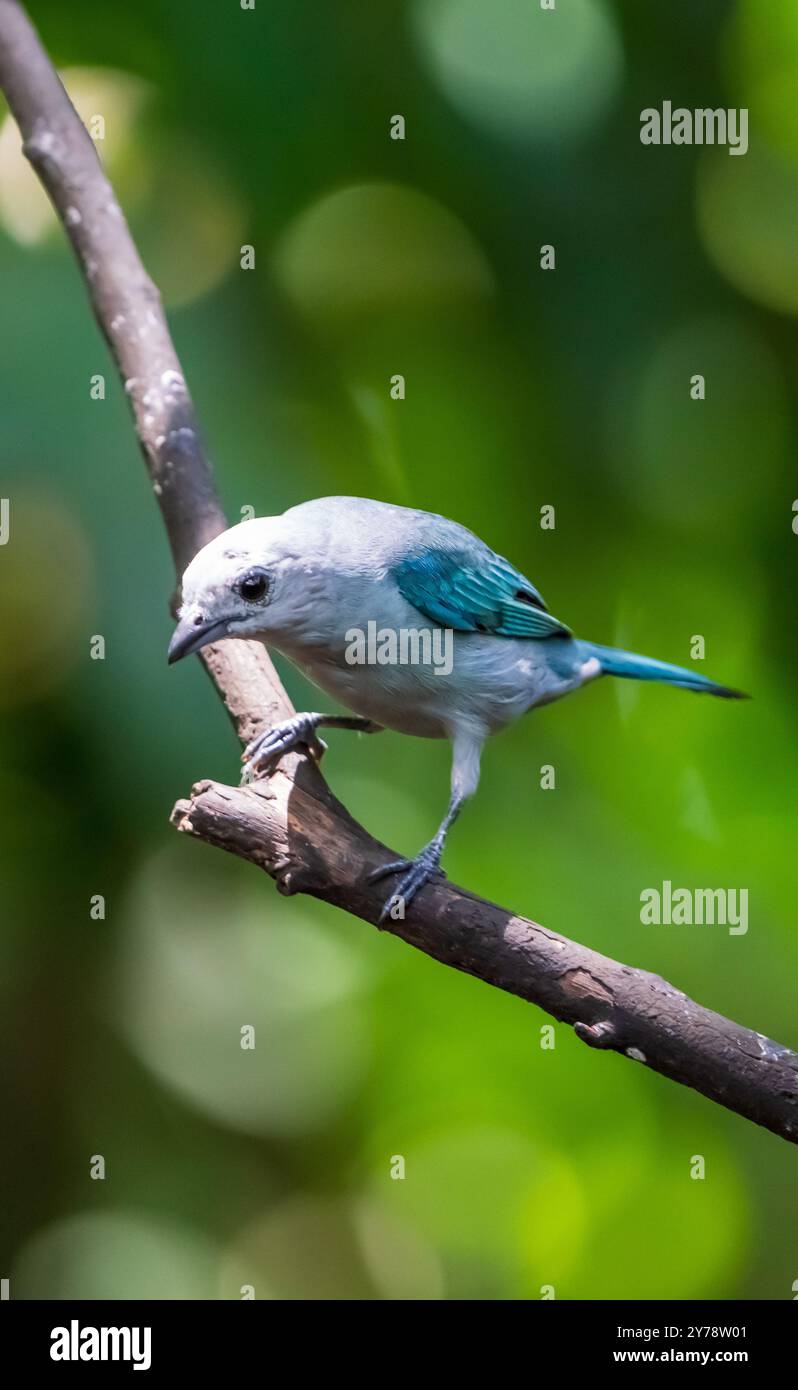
point(409, 699)
point(430, 688)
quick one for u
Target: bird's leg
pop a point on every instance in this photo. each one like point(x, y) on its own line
point(261, 756)
point(416, 872)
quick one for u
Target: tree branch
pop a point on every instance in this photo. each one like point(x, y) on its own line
point(305, 839)
point(293, 827)
point(128, 309)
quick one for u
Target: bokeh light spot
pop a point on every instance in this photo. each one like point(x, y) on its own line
point(521, 72)
point(194, 226)
point(312, 1247)
point(473, 1194)
point(45, 580)
point(375, 246)
point(198, 965)
point(120, 99)
point(115, 1255)
point(760, 53)
point(747, 215)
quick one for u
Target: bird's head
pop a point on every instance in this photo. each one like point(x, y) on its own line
point(236, 586)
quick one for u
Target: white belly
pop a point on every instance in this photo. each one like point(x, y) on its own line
point(492, 682)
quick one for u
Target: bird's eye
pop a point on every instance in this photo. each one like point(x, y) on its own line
point(254, 586)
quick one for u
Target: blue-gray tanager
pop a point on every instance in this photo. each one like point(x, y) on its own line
point(403, 616)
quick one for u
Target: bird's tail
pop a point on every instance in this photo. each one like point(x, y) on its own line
point(615, 662)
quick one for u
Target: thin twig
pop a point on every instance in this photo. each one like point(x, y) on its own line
point(128, 309)
point(293, 827)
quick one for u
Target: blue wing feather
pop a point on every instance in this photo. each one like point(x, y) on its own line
point(475, 591)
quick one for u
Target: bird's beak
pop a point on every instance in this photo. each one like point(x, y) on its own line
point(191, 633)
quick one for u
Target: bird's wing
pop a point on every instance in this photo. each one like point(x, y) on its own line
point(475, 591)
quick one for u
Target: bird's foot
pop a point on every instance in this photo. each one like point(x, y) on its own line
point(415, 873)
point(261, 757)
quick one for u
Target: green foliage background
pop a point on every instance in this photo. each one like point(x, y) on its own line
point(524, 1167)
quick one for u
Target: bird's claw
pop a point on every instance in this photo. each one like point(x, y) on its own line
point(415, 873)
point(262, 755)
point(385, 870)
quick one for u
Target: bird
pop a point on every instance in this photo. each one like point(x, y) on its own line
point(405, 618)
